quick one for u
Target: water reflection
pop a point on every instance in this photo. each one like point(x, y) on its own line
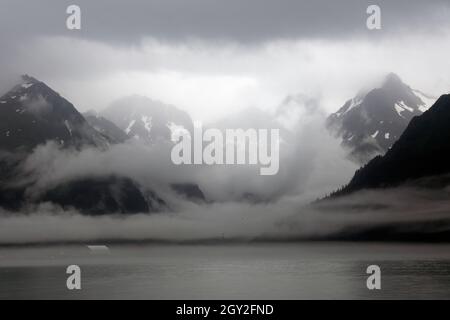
point(262, 271)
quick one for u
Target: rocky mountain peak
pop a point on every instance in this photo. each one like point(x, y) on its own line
point(370, 123)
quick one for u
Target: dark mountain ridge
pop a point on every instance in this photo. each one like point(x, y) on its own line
point(32, 113)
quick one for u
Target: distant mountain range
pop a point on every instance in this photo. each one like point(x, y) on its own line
point(393, 120)
point(371, 122)
point(32, 114)
point(422, 151)
point(146, 119)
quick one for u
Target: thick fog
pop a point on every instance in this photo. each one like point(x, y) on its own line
point(284, 220)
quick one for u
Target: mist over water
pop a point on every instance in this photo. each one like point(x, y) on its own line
point(286, 219)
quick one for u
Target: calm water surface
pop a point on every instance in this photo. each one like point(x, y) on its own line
point(250, 271)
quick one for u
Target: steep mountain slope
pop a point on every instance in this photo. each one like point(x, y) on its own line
point(104, 195)
point(189, 191)
point(32, 113)
point(422, 151)
point(371, 122)
point(107, 128)
point(146, 119)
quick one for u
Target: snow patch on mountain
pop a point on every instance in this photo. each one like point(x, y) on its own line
point(130, 126)
point(176, 131)
point(427, 100)
point(404, 106)
point(148, 120)
point(26, 85)
point(67, 124)
point(399, 109)
point(354, 103)
point(147, 123)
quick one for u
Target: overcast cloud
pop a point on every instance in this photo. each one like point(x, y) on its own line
point(248, 21)
point(212, 57)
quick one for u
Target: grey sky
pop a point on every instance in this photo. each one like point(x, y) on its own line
point(210, 57)
point(126, 22)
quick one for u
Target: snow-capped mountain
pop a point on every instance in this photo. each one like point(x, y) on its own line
point(32, 113)
point(421, 152)
point(146, 119)
point(371, 122)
